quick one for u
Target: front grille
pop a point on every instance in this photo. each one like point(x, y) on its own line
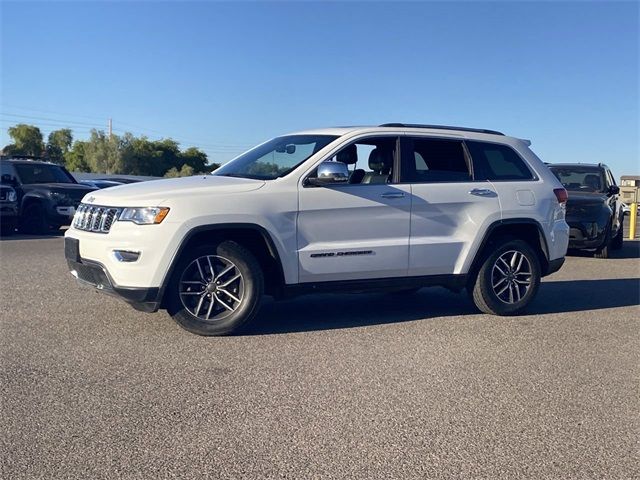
point(93, 218)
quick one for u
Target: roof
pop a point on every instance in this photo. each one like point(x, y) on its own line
point(577, 164)
point(410, 127)
point(27, 160)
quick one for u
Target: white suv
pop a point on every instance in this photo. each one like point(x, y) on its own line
point(394, 207)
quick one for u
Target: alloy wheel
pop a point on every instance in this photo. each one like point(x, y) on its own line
point(211, 288)
point(511, 276)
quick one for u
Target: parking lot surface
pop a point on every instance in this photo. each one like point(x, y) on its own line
point(332, 386)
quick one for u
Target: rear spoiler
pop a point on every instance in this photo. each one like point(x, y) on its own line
point(525, 141)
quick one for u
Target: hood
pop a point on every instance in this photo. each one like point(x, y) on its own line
point(74, 190)
point(157, 192)
point(584, 199)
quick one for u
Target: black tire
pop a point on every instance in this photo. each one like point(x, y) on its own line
point(34, 220)
point(618, 240)
point(604, 250)
point(484, 295)
point(248, 290)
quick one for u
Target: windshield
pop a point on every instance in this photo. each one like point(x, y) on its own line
point(580, 179)
point(275, 158)
point(42, 173)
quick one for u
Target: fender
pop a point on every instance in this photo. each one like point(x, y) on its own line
point(273, 251)
point(509, 221)
point(32, 196)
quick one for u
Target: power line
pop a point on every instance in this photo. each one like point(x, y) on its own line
point(139, 130)
point(38, 119)
point(49, 111)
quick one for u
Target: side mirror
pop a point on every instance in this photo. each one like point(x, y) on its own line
point(330, 173)
point(614, 190)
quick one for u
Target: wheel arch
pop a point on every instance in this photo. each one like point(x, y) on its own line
point(31, 198)
point(252, 236)
point(526, 229)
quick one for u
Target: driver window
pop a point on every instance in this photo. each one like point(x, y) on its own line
point(370, 160)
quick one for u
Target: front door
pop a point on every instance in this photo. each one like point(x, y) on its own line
point(360, 230)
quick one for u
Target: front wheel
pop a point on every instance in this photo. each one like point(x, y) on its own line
point(604, 250)
point(216, 289)
point(618, 240)
point(508, 279)
point(34, 220)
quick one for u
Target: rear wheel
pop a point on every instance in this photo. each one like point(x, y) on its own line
point(216, 289)
point(508, 279)
point(34, 220)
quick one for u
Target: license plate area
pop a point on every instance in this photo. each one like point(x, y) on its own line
point(72, 249)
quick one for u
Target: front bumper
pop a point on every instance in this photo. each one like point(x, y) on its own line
point(94, 274)
point(586, 234)
point(61, 215)
point(8, 211)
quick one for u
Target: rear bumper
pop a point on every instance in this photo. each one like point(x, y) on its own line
point(95, 275)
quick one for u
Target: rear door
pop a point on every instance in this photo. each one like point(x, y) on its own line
point(449, 209)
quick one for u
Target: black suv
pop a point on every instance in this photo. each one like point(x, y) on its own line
point(47, 194)
point(594, 210)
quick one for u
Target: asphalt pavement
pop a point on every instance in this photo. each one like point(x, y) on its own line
point(333, 386)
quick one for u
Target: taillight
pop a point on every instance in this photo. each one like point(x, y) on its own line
point(561, 195)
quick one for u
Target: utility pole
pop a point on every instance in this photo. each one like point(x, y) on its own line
point(110, 129)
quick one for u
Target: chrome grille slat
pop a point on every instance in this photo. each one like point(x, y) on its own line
point(93, 218)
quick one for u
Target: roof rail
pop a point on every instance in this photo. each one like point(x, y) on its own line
point(441, 127)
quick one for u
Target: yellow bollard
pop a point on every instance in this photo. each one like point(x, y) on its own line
point(632, 221)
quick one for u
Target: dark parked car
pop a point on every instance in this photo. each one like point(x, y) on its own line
point(594, 210)
point(8, 209)
point(47, 194)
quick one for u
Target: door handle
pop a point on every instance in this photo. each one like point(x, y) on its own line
point(392, 195)
point(482, 192)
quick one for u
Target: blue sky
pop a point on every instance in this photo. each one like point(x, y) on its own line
point(224, 76)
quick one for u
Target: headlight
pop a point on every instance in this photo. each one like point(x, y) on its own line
point(62, 199)
point(11, 196)
point(144, 215)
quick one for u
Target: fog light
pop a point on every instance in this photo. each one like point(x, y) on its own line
point(126, 255)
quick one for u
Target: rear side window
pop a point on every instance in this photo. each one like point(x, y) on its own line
point(492, 161)
point(427, 160)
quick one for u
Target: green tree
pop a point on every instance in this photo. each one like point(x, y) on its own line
point(58, 144)
point(103, 153)
point(185, 171)
point(27, 140)
point(75, 158)
point(195, 158)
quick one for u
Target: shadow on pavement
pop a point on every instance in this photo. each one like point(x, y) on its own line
point(630, 249)
point(581, 295)
point(326, 312)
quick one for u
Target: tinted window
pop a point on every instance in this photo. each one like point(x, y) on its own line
point(579, 178)
point(493, 161)
point(6, 169)
point(434, 160)
point(42, 173)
